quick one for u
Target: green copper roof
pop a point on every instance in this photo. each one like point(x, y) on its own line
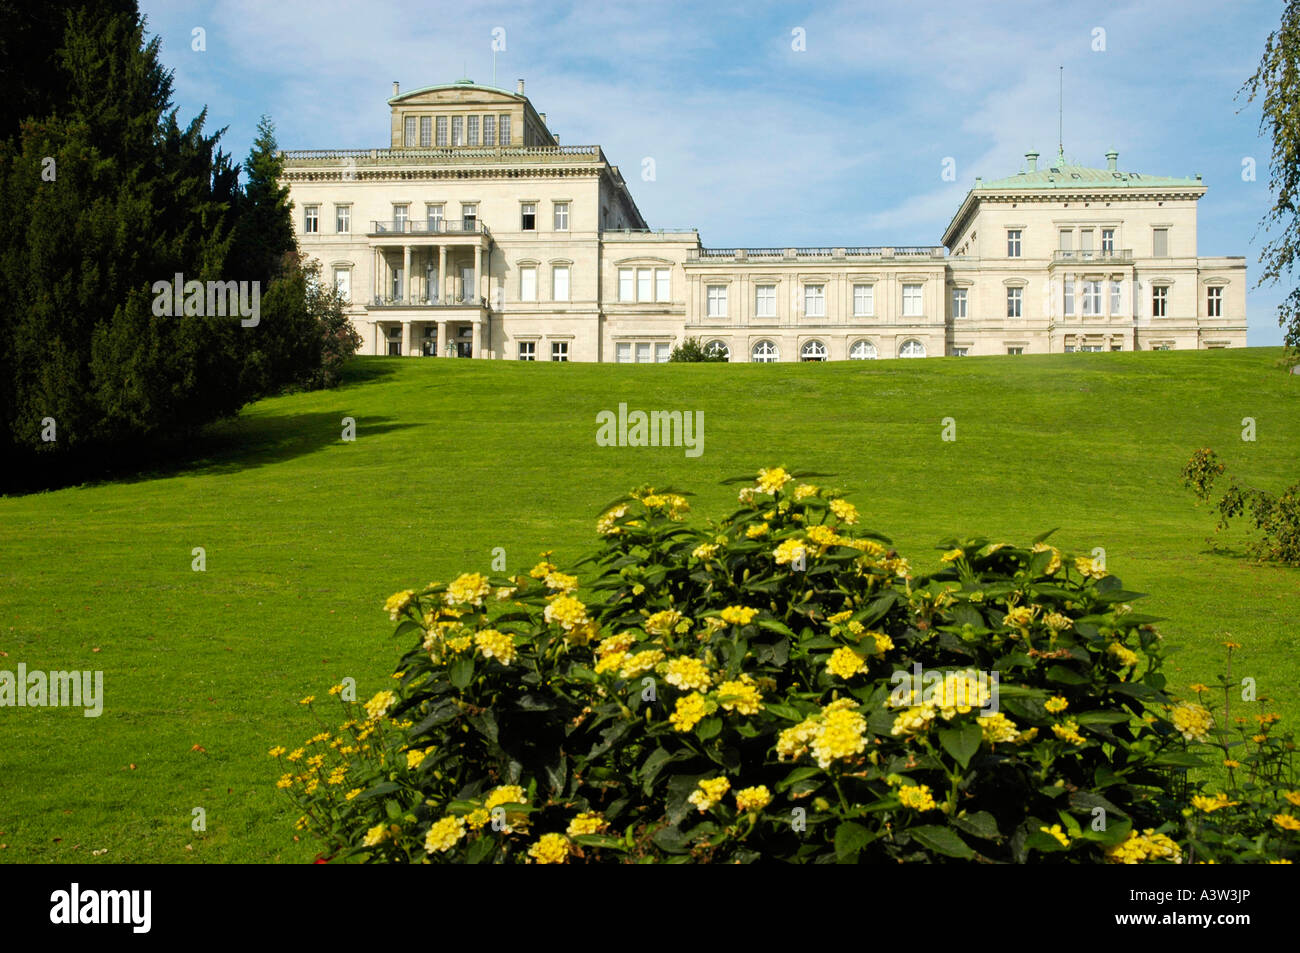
point(1061, 173)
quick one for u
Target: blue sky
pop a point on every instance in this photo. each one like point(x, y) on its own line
point(757, 143)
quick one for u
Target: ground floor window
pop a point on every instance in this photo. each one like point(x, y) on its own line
point(718, 349)
point(527, 350)
point(813, 351)
point(912, 348)
point(559, 350)
point(862, 351)
point(765, 352)
point(960, 351)
point(642, 352)
point(1013, 349)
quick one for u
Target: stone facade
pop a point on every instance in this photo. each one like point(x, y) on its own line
point(477, 234)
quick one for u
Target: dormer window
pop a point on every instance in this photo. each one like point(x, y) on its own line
point(471, 124)
point(441, 141)
point(489, 130)
point(503, 127)
point(426, 131)
point(457, 130)
point(410, 132)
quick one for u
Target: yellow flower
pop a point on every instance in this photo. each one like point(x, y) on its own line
point(709, 793)
point(804, 490)
point(846, 511)
point(497, 645)
point(468, 588)
point(705, 551)
point(664, 622)
point(586, 823)
point(1054, 563)
point(542, 569)
point(845, 663)
point(378, 706)
point(841, 733)
point(561, 581)
point(635, 665)
point(276, 751)
point(296, 754)
point(1019, 616)
point(1192, 721)
point(1287, 822)
point(1292, 796)
point(376, 835)
point(754, 532)
point(772, 479)
point(566, 611)
point(477, 818)
point(505, 794)
point(952, 555)
point(1056, 831)
point(883, 642)
point(551, 849)
point(690, 709)
point(286, 781)
point(753, 799)
point(917, 797)
point(1089, 568)
point(353, 793)
point(1057, 622)
point(738, 615)
point(1127, 657)
point(1211, 804)
point(997, 728)
point(793, 742)
point(741, 695)
point(337, 775)
point(414, 758)
point(688, 673)
point(610, 662)
point(307, 701)
point(1146, 846)
point(397, 602)
point(839, 617)
point(605, 526)
point(913, 721)
point(1056, 704)
point(790, 551)
point(1069, 732)
point(444, 835)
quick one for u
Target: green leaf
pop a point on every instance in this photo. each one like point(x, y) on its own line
point(797, 775)
point(982, 824)
point(461, 671)
point(961, 742)
point(941, 840)
point(708, 728)
point(850, 838)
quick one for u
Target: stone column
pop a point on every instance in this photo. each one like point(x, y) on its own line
point(408, 334)
point(478, 336)
point(407, 282)
point(442, 278)
point(478, 289)
point(440, 346)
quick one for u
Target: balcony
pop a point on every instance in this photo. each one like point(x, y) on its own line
point(451, 301)
point(436, 226)
point(1111, 256)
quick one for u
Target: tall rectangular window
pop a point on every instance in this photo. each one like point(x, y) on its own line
point(503, 127)
point(644, 284)
point(1092, 297)
point(643, 352)
point(1015, 302)
point(343, 219)
point(528, 216)
point(717, 301)
point(1066, 239)
point(623, 352)
point(663, 284)
point(626, 289)
point(764, 301)
point(528, 283)
point(469, 217)
point(911, 301)
point(561, 216)
point(441, 141)
point(1013, 243)
point(410, 132)
point(400, 215)
point(433, 216)
point(663, 350)
point(814, 301)
point(560, 283)
point(560, 351)
point(1159, 301)
point(864, 300)
point(426, 131)
point(1160, 243)
point(1108, 241)
point(1115, 290)
point(1214, 302)
point(1069, 297)
point(1085, 243)
point(457, 130)
point(311, 218)
point(959, 302)
point(471, 130)
point(343, 283)
point(489, 130)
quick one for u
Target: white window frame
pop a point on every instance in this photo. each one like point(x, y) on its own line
point(1159, 301)
point(526, 209)
point(911, 345)
point(561, 289)
point(527, 282)
point(814, 300)
point(765, 300)
point(627, 284)
point(1013, 242)
point(715, 347)
point(560, 218)
point(311, 219)
point(560, 351)
point(1116, 293)
point(1091, 297)
point(913, 300)
point(645, 284)
point(527, 350)
point(813, 351)
point(863, 350)
point(1015, 302)
point(663, 284)
point(715, 301)
point(959, 297)
point(1214, 301)
point(343, 287)
point(864, 300)
point(343, 219)
point(765, 352)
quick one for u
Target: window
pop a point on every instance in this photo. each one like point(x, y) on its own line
point(959, 302)
point(662, 352)
point(1162, 346)
point(469, 217)
point(471, 130)
point(343, 283)
point(1012, 349)
point(489, 130)
point(1085, 243)
point(410, 132)
point(765, 301)
point(560, 283)
point(643, 352)
point(400, 214)
point(457, 130)
point(529, 216)
point(644, 284)
point(1214, 302)
point(399, 284)
point(716, 301)
point(426, 131)
point(1117, 347)
point(959, 351)
point(311, 219)
point(1160, 243)
point(862, 351)
point(663, 284)
point(1115, 287)
point(433, 216)
point(561, 216)
point(1159, 301)
point(1013, 243)
point(911, 301)
point(343, 219)
point(912, 348)
point(1090, 348)
point(528, 283)
point(527, 350)
point(559, 350)
point(1069, 349)
point(864, 302)
point(623, 352)
point(813, 351)
point(503, 126)
point(1108, 241)
point(1067, 239)
point(1068, 307)
point(765, 352)
point(814, 301)
point(1015, 302)
point(626, 291)
point(1092, 297)
point(442, 131)
point(718, 349)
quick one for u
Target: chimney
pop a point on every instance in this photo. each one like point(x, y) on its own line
point(542, 117)
point(1032, 159)
point(396, 87)
point(519, 87)
point(1112, 158)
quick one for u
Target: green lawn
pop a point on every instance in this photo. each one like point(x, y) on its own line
point(307, 535)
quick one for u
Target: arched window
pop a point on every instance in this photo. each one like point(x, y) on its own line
point(862, 351)
point(813, 351)
point(765, 352)
point(718, 349)
point(912, 348)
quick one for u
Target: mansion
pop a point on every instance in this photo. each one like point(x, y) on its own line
point(475, 233)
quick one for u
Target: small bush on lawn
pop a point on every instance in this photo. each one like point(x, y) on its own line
point(1275, 517)
point(782, 686)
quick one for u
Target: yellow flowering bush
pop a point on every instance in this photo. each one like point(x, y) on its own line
point(797, 694)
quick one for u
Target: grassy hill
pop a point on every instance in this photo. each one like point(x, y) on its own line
point(305, 535)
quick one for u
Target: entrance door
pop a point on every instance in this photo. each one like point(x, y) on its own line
point(467, 291)
point(464, 348)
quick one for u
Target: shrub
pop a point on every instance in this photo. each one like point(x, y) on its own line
point(1275, 517)
point(746, 692)
point(691, 351)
